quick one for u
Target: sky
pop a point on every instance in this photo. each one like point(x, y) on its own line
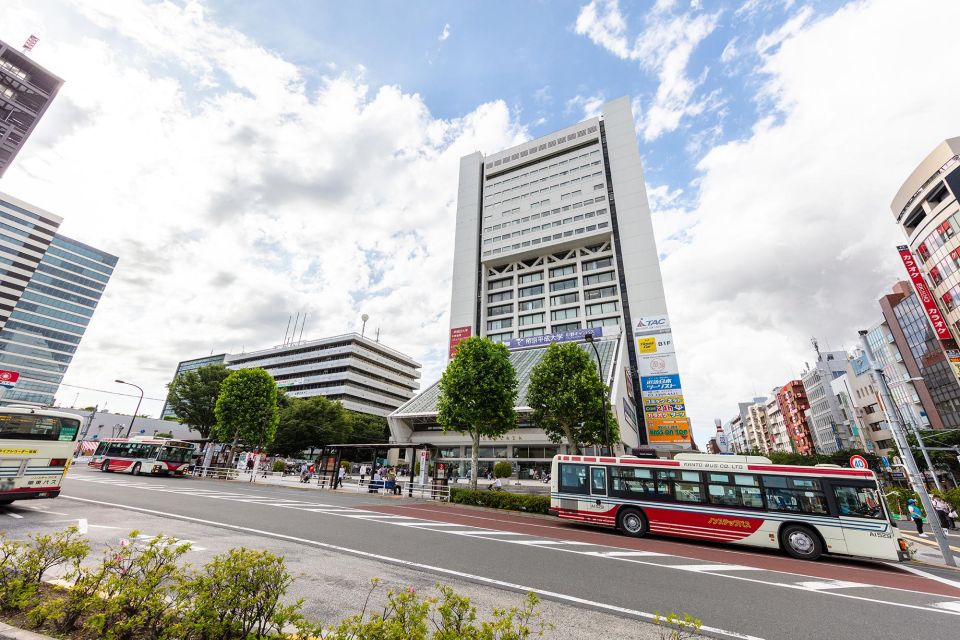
point(252, 159)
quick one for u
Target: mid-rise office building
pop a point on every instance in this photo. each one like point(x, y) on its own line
point(794, 404)
point(50, 289)
point(779, 439)
point(738, 436)
point(26, 90)
point(827, 427)
point(189, 365)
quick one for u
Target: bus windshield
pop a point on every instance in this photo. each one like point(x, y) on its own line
point(37, 427)
point(175, 454)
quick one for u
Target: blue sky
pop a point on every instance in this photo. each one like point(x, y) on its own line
point(248, 160)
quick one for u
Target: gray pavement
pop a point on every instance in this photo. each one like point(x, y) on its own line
point(594, 583)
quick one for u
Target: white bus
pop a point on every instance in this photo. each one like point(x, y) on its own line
point(143, 455)
point(746, 500)
point(36, 446)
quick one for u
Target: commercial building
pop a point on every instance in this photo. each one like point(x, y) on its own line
point(778, 438)
point(50, 287)
point(553, 238)
point(794, 404)
point(827, 427)
point(861, 402)
point(738, 436)
point(904, 388)
point(190, 365)
point(26, 90)
point(363, 374)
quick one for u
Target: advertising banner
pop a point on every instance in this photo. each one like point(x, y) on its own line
point(565, 336)
point(668, 431)
point(924, 294)
point(456, 335)
point(629, 414)
point(954, 357)
point(670, 382)
point(648, 325)
point(8, 379)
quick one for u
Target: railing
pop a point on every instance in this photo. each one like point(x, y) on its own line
point(429, 490)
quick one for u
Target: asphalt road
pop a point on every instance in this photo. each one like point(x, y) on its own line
point(594, 583)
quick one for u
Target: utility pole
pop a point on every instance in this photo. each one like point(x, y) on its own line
point(926, 456)
point(896, 428)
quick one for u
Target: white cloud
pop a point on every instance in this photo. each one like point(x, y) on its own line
point(664, 47)
point(792, 236)
point(589, 106)
point(730, 51)
point(791, 27)
point(233, 195)
point(445, 33)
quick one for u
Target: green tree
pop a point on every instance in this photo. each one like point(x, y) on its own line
point(366, 428)
point(566, 395)
point(247, 408)
point(478, 392)
point(193, 396)
point(307, 423)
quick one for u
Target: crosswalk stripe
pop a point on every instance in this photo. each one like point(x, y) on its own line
point(951, 605)
point(718, 567)
point(626, 554)
point(818, 585)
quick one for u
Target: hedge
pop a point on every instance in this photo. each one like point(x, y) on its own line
point(501, 500)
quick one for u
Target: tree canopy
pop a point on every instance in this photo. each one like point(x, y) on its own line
point(567, 398)
point(193, 396)
point(246, 408)
point(478, 392)
point(307, 423)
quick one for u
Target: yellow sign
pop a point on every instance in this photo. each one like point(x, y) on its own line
point(16, 452)
point(655, 400)
point(668, 431)
point(647, 344)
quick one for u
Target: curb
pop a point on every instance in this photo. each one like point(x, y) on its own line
point(8, 632)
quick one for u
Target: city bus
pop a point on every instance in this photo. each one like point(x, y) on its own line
point(745, 500)
point(143, 455)
point(35, 452)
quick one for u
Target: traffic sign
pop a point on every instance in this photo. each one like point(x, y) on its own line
point(885, 460)
point(858, 462)
point(899, 475)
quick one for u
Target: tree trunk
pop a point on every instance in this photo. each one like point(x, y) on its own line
point(474, 456)
point(571, 440)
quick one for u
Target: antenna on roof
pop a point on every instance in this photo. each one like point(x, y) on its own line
point(296, 321)
point(378, 334)
point(287, 330)
point(30, 43)
point(363, 327)
point(303, 322)
point(816, 347)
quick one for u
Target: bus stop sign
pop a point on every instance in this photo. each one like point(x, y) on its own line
point(858, 462)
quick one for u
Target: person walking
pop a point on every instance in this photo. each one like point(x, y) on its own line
point(363, 473)
point(249, 463)
point(917, 515)
point(340, 476)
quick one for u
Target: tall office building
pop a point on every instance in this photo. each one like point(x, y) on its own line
point(189, 365)
point(26, 90)
point(50, 288)
point(827, 426)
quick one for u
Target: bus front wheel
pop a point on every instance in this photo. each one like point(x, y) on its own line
point(800, 542)
point(105, 466)
point(633, 523)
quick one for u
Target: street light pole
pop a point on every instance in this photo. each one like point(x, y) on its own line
point(896, 428)
point(135, 411)
point(603, 397)
point(916, 434)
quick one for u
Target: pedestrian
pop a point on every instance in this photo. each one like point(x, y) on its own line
point(392, 479)
point(375, 480)
point(363, 473)
point(942, 508)
point(340, 475)
point(249, 463)
point(917, 515)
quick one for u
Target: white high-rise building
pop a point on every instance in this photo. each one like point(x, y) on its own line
point(554, 239)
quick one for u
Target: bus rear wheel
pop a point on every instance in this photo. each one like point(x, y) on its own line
point(105, 466)
point(633, 523)
point(800, 542)
point(136, 469)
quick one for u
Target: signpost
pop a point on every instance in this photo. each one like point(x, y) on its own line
point(858, 462)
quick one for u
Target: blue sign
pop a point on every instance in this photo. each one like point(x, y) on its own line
point(668, 382)
point(566, 336)
point(860, 365)
point(885, 461)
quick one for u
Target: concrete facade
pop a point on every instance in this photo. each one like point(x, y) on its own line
point(826, 422)
point(778, 438)
point(189, 365)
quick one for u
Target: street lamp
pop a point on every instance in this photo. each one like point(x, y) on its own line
point(603, 394)
point(135, 411)
point(916, 433)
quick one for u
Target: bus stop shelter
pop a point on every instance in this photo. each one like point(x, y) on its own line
point(331, 456)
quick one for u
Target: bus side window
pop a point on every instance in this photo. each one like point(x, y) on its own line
point(573, 478)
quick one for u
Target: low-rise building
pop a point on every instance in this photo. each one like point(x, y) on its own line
point(778, 438)
point(794, 404)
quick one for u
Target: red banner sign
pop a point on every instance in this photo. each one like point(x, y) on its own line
point(456, 335)
point(923, 292)
point(8, 379)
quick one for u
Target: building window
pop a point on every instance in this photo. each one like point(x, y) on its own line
point(602, 307)
point(500, 337)
point(531, 305)
point(500, 310)
point(527, 278)
point(500, 284)
point(567, 298)
point(533, 318)
point(567, 326)
point(565, 314)
point(526, 292)
point(502, 323)
point(526, 333)
point(562, 285)
point(597, 278)
point(500, 297)
point(563, 271)
point(592, 265)
point(605, 322)
point(603, 292)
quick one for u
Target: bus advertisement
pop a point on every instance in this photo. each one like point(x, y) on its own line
point(143, 455)
point(35, 452)
point(804, 511)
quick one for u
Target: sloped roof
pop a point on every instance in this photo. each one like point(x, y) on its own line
point(523, 362)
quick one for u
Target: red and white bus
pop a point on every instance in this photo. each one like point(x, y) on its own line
point(806, 511)
point(143, 455)
point(35, 449)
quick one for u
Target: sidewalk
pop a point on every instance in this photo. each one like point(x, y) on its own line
point(351, 483)
point(925, 547)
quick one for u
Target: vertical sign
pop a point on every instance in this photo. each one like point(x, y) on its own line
point(456, 335)
point(664, 408)
point(924, 293)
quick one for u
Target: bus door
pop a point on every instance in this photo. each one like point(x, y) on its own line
point(866, 528)
point(597, 502)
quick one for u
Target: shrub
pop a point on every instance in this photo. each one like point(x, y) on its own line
point(501, 500)
point(237, 595)
point(279, 466)
point(23, 565)
point(502, 469)
point(673, 626)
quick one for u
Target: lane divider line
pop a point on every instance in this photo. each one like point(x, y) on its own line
point(553, 595)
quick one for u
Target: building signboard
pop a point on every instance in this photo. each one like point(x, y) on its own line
point(668, 431)
point(565, 336)
point(952, 355)
point(8, 379)
point(668, 382)
point(647, 325)
point(937, 321)
point(629, 413)
point(456, 335)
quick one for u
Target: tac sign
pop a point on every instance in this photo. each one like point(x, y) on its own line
point(858, 462)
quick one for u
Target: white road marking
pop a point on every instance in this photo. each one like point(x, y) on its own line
point(424, 567)
point(926, 574)
point(716, 567)
point(572, 543)
point(626, 554)
point(15, 515)
point(83, 526)
point(952, 605)
point(489, 532)
point(817, 585)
